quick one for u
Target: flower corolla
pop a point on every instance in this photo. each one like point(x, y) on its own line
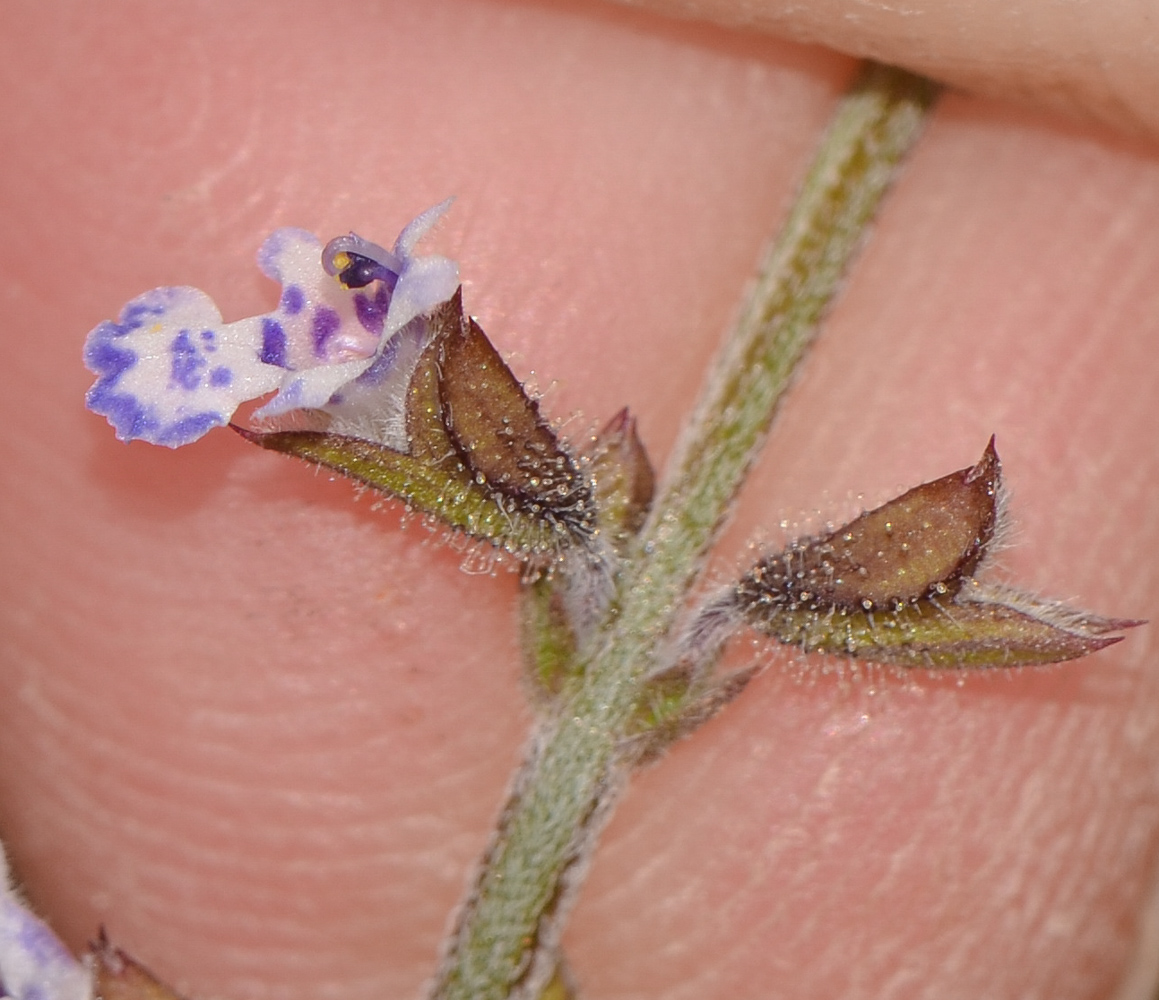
point(34, 964)
point(349, 317)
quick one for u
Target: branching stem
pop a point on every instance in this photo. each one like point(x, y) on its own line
point(505, 944)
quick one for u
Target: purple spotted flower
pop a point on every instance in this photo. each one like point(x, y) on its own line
point(349, 319)
point(34, 965)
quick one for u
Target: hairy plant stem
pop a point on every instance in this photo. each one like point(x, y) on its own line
point(505, 943)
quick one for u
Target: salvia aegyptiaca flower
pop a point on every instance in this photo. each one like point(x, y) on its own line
point(350, 314)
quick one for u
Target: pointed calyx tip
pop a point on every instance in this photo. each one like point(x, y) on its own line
point(623, 477)
point(896, 585)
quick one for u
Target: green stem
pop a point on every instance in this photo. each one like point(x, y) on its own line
point(506, 941)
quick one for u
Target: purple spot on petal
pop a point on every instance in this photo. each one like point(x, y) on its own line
point(129, 418)
point(102, 358)
point(326, 323)
point(273, 343)
point(208, 338)
point(293, 300)
point(372, 312)
point(188, 364)
point(220, 377)
point(188, 429)
point(135, 314)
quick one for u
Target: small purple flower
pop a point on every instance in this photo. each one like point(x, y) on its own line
point(169, 369)
point(34, 965)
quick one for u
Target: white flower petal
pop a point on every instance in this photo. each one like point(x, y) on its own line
point(417, 228)
point(312, 388)
point(170, 370)
point(427, 282)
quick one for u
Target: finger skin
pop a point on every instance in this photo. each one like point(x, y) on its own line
point(260, 731)
point(1088, 60)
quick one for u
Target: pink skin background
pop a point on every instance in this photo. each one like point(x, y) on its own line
point(260, 732)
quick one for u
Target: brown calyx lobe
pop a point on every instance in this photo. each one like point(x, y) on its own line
point(499, 435)
point(622, 476)
point(921, 544)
